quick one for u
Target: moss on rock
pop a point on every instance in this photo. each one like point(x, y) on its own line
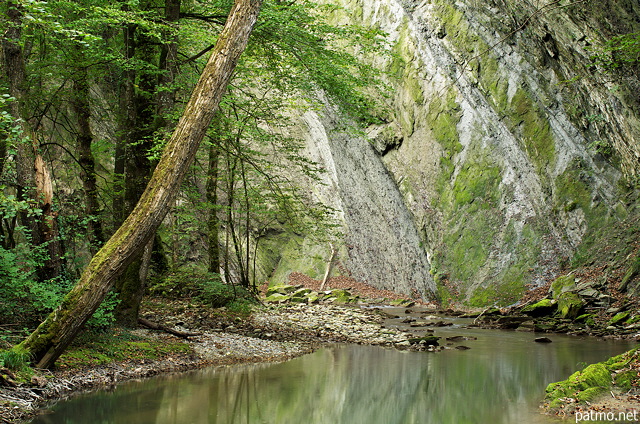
point(596, 379)
point(569, 305)
point(592, 381)
point(619, 318)
point(541, 308)
point(562, 284)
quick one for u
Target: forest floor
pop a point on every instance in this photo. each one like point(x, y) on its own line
point(271, 333)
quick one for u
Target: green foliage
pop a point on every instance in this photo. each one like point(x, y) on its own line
point(619, 52)
point(9, 128)
point(207, 287)
point(303, 53)
point(241, 306)
point(15, 359)
point(21, 294)
point(99, 348)
point(104, 316)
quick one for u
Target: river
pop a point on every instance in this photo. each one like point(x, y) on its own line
point(500, 379)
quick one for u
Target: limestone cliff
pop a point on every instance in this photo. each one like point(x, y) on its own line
point(507, 153)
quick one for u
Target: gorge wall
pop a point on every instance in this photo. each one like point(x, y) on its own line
point(506, 156)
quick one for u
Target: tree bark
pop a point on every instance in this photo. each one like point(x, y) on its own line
point(33, 180)
point(148, 120)
point(212, 200)
point(84, 139)
point(51, 338)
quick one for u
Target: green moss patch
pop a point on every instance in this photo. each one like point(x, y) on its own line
point(562, 284)
point(569, 305)
point(619, 318)
point(587, 385)
point(94, 349)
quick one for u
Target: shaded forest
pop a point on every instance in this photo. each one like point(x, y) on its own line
point(91, 94)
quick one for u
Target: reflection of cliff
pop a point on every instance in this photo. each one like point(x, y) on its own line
point(490, 170)
point(500, 380)
point(371, 385)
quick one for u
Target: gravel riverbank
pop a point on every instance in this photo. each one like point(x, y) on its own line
point(270, 334)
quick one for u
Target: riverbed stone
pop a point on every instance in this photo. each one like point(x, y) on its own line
point(562, 284)
point(527, 326)
point(619, 318)
point(569, 305)
point(542, 308)
point(426, 340)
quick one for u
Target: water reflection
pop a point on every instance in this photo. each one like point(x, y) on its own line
point(500, 380)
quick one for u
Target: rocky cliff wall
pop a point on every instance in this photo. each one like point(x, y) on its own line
point(506, 154)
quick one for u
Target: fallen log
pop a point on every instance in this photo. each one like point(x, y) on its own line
point(155, 326)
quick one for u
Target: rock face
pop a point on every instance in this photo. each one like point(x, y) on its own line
point(506, 152)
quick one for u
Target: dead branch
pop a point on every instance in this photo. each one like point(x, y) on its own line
point(155, 326)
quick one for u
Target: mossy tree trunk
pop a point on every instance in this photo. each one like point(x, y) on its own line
point(84, 140)
point(149, 117)
point(51, 338)
point(33, 181)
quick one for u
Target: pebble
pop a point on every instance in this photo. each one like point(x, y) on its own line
point(297, 329)
point(346, 323)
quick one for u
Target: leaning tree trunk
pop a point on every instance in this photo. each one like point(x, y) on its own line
point(51, 338)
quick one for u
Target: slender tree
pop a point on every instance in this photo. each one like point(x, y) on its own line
point(32, 175)
point(52, 337)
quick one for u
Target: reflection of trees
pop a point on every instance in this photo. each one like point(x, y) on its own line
point(497, 381)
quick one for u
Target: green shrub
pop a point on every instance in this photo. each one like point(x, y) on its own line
point(15, 359)
point(104, 316)
point(207, 287)
point(241, 306)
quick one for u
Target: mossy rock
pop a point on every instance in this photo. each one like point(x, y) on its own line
point(298, 299)
point(546, 326)
point(594, 380)
point(402, 302)
point(277, 298)
point(282, 289)
point(633, 319)
point(590, 394)
point(569, 305)
point(301, 292)
point(588, 319)
point(541, 308)
point(313, 297)
point(562, 284)
point(621, 361)
point(625, 379)
point(619, 318)
point(595, 376)
point(426, 340)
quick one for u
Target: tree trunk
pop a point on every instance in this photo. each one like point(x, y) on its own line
point(33, 180)
point(148, 118)
point(51, 338)
point(212, 200)
point(84, 139)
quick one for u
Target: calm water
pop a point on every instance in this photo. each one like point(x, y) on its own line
point(500, 379)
